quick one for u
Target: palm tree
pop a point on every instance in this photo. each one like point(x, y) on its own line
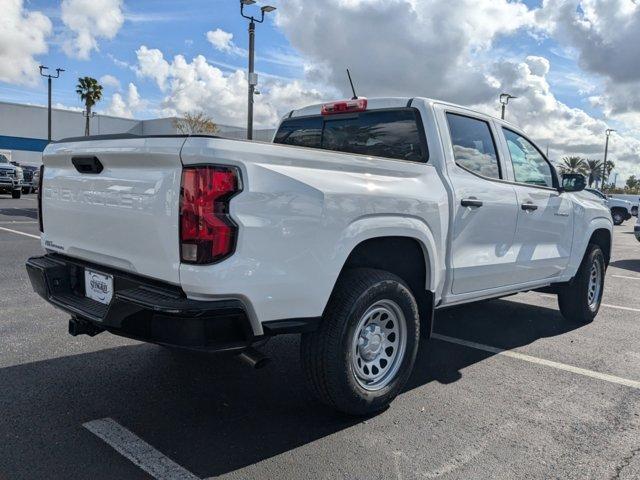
point(573, 165)
point(594, 169)
point(90, 92)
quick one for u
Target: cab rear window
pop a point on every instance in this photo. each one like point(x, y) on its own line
point(390, 133)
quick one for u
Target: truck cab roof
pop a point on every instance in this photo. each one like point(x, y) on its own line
point(375, 103)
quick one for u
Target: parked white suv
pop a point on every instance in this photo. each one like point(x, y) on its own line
point(621, 210)
point(361, 219)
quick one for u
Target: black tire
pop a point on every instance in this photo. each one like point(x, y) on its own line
point(573, 298)
point(327, 353)
point(618, 217)
point(16, 193)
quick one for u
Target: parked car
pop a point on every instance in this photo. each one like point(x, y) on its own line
point(30, 182)
point(621, 210)
point(361, 219)
point(11, 177)
point(636, 229)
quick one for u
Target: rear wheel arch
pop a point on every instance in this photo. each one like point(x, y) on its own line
point(406, 257)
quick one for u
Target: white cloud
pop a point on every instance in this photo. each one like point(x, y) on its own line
point(110, 81)
point(223, 41)
point(199, 86)
point(151, 63)
point(400, 47)
point(89, 20)
point(23, 35)
point(121, 107)
point(605, 34)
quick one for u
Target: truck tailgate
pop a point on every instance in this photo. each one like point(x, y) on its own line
point(125, 216)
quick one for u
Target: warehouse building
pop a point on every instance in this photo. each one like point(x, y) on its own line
point(23, 129)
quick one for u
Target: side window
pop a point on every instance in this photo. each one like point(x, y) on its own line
point(529, 166)
point(473, 145)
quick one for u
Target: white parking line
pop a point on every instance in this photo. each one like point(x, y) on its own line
point(15, 222)
point(20, 233)
point(608, 305)
point(136, 450)
point(626, 277)
point(540, 361)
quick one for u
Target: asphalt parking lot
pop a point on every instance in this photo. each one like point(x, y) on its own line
point(508, 389)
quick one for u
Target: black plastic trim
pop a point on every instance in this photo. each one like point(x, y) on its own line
point(293, 325)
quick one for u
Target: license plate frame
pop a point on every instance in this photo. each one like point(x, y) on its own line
point(98, 286)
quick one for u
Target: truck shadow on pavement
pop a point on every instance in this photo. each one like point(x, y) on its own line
point(212, 415)
point(20, 212)
point(631, 264)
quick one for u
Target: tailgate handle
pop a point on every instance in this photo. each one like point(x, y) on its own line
point(87, 164)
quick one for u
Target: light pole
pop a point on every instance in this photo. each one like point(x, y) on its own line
point(49, 78)
point(253, 77)
point(85, 114)
point(606, 151)
point(504, 100)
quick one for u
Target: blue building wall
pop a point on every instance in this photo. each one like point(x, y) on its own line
point(22, 143)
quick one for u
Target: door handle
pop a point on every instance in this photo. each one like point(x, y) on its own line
point(470, 202)
point(530, 207)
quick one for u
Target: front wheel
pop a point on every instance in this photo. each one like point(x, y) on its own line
point(361, 356)
point(580, 300)
point(618, 217)
point(16, 193)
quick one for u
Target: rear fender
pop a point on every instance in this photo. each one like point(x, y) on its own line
point(582, 241)
point(377, 226)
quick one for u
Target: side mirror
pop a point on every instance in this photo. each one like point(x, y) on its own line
point(573, 182)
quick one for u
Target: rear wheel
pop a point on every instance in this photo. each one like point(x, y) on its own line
point(361, 356)
point(580, 300)
point(16, 193)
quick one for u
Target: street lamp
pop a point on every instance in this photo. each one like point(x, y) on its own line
point(49, 78)
point(504, 100)
point(607, 132)
point(85, 114)
point(253, 77)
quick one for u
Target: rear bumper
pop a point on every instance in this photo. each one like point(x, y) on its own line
point(142, 309)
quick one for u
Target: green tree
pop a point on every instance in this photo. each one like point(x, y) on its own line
point(633, 184)
point(594, 170)
point(573, 165)
point(90, 92)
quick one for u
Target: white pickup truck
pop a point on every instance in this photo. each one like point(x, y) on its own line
point(351, 228)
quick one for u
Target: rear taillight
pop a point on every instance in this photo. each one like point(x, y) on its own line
point(207, 232)
point(344, 106)
point(40, 178)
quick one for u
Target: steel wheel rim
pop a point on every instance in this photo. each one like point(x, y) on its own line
point(378, 345)
point(595, 285)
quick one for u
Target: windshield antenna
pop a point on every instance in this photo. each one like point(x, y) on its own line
point(355, 97)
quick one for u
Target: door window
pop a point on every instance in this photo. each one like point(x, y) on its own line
point(473, 145)
point(529, 166)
